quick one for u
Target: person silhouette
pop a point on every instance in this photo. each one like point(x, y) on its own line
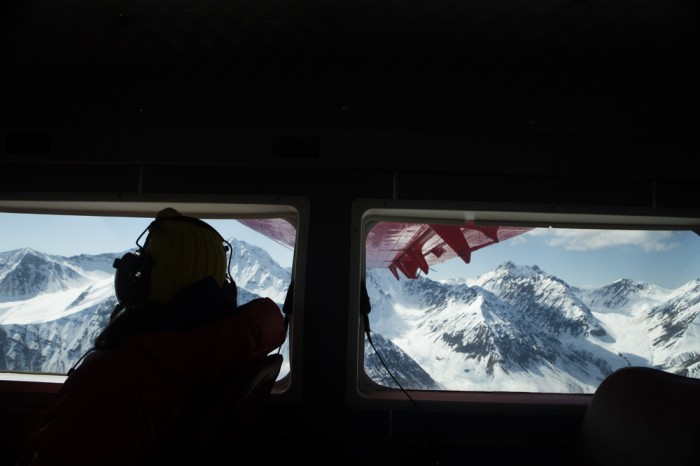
point(175, 333)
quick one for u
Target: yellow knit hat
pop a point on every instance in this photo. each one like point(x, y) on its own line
point(183, 251)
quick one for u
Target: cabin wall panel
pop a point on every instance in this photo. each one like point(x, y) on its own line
point(68, 178)
point(541, 190)
point(499, 153)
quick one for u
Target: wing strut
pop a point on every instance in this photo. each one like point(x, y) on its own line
point(455, 240)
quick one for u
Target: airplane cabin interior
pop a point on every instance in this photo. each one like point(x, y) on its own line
point(344, 117)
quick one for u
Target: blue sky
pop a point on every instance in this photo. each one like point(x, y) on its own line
point(580, 257)
point(69, 235)
point(590, 258)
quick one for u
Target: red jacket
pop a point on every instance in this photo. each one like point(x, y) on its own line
point(120, 405)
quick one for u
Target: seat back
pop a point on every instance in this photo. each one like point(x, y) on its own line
point(641, 416)
point(216, 434)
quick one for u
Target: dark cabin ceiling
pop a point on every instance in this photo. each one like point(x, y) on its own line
point(594, 73)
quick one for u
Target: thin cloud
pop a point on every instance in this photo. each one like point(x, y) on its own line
point(591, 240)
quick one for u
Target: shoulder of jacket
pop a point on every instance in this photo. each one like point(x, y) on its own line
point(259, 303)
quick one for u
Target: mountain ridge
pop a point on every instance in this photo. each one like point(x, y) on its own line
point(515, 328)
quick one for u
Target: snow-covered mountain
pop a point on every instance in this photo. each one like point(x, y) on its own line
point(517, 328)
point(257, 273)
point(52, 307)
point(26, 273)
point(383, 359)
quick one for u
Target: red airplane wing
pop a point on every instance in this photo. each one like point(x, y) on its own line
point(409, 247)
point(403, 246)
point(277, 229)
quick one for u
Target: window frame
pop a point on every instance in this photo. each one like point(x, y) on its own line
point(294, 209)
point(362, 392)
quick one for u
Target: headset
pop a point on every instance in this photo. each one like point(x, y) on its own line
point(133, 275)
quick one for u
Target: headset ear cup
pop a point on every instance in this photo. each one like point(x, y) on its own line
point(131, 278)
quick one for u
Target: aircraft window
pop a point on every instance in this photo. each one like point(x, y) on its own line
point(483, 307)
point(57, 281)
